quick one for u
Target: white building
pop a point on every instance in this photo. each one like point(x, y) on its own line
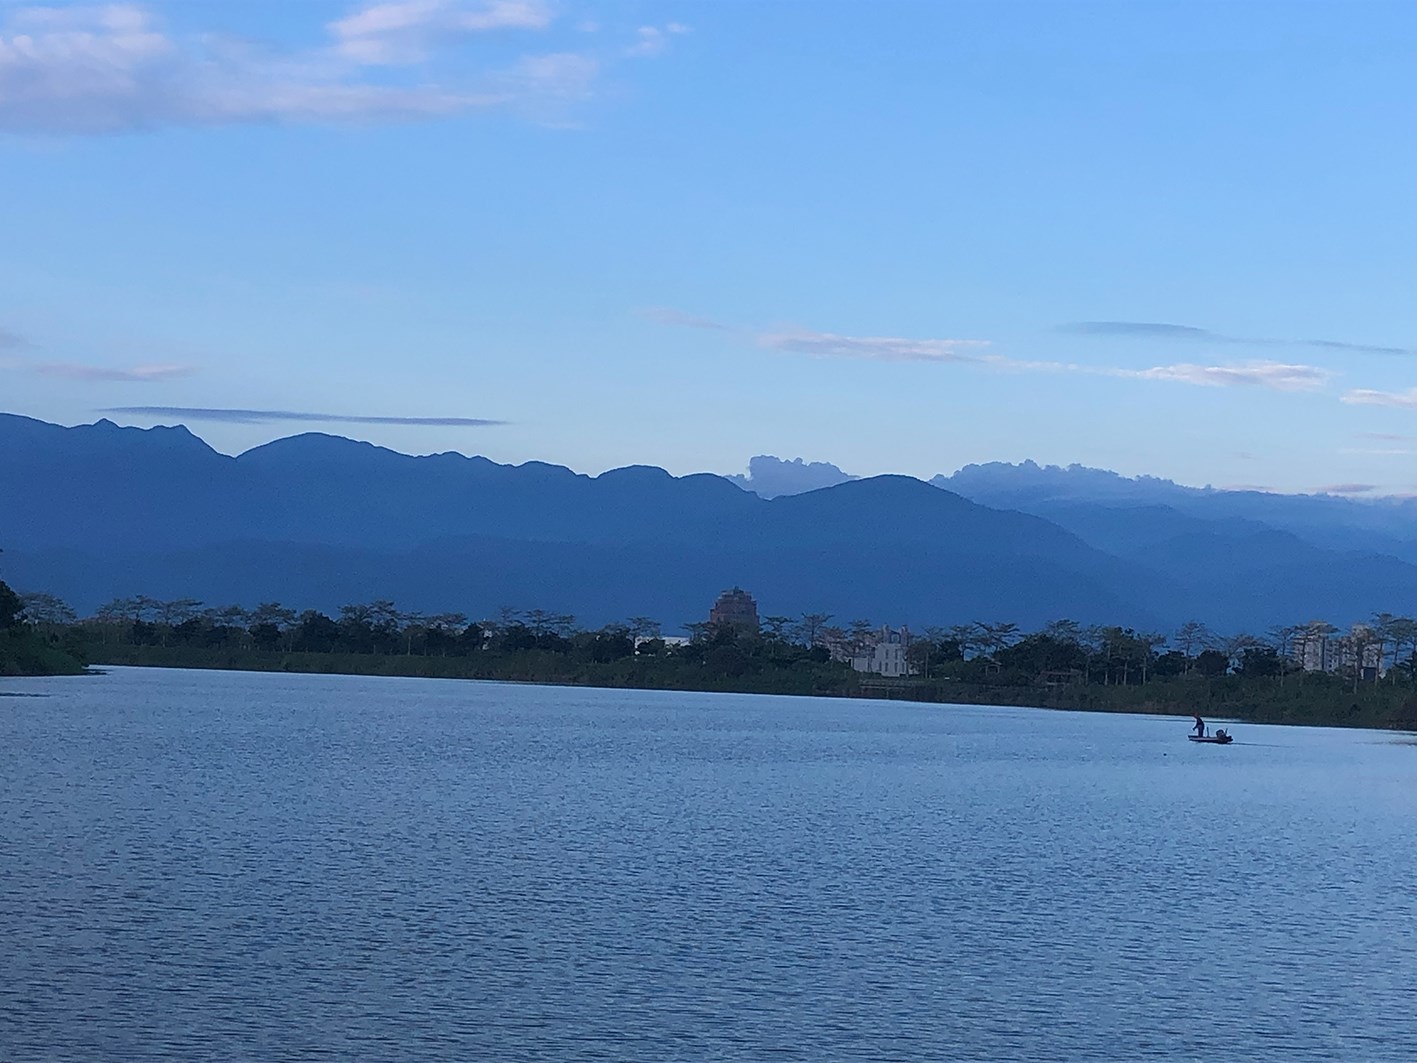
point(883, 652)
point(1323, 649)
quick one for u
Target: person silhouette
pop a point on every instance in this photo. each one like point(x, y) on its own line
point(1199, 727)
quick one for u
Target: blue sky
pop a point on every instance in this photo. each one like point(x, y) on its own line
point(1165, 238)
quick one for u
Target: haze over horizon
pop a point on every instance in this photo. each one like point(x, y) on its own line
point(1164, 239)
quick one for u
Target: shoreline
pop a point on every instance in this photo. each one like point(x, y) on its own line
point(1173, 698)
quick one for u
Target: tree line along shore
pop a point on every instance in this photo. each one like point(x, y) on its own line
point(1369, 678)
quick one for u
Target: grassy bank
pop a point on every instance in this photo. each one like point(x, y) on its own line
point(1316, 701)
point(1312, 700)
point(530, 666)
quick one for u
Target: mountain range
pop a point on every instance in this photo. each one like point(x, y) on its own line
point(100, 511)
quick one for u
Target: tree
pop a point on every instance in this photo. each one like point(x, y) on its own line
point(611, 643)
point(11, 606)
point(175, 612)
point(1260, 662)
point(1212, 663)
point(1192, 637)
point(776, 627)
point(412, 624)
point(47, 610)
point(1236, 646)
point(1283, 638)
point(809, 628)
point(1404, 637)
point(356, 627)
point(316, 633)
point(966, 636)
point(860, 634)
point(1356, 644)
point(1063, 631)
point(271, 613)
point(935, 645)
point(698, 631)
point(1386, 629)
point(1313, 641)
point(265, 636)
point(993, 639)
point(443, 630)
point(642, 627)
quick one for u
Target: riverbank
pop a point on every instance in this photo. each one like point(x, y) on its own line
point(26, 653)
point(1309, 700)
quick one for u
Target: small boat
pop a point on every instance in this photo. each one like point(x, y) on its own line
point(1220, 738)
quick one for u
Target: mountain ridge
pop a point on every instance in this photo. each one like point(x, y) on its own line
point(110, 512)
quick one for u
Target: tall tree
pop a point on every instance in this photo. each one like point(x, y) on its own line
point(809, 628)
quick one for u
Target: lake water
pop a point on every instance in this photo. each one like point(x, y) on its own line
point(219, 866)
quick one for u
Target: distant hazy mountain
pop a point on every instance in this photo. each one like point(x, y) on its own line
point(771, 477)
point(1383, 525)
point(98, 511)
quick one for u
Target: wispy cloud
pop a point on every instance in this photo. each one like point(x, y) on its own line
point(664, 315)
point(1368, 397)
point(12, 341)
point(1345, 489)
point(877, 348)
point(115, 67)
point(137, 373)
point(407, 31)
point(1278, 376)
point(540, 83)
point(1163, 330)
point(237, 416)
point(1387, 437)
point(1136, 328)
point(653, 40)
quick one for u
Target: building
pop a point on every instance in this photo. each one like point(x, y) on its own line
point(1322, 648)
point(736, 609)
point(884, 652)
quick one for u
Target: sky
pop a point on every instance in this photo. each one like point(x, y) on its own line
point(1176, 239)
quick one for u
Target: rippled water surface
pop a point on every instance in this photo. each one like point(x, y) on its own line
point(217, 866)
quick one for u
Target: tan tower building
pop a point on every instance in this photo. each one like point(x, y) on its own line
point(736, 609)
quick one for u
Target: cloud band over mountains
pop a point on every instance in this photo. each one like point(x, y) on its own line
point(1275, 376)
point(239, 416)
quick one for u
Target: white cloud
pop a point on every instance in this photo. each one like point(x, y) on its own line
point(138, 373)
point(665, 315)
point(559, 76)
point(406, 31)
point(95, 69)
point(1368, 397)
point(1345, 489)
point(880, 348)
point(1277, 376)
point(653, 40)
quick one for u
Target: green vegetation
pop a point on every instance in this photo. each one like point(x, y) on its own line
point(376, 639)
point(26, 648)
point(1366, 677)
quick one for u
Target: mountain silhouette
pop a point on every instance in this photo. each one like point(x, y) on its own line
point(99, 511)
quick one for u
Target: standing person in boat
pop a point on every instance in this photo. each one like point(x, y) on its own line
point(1200, 726)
